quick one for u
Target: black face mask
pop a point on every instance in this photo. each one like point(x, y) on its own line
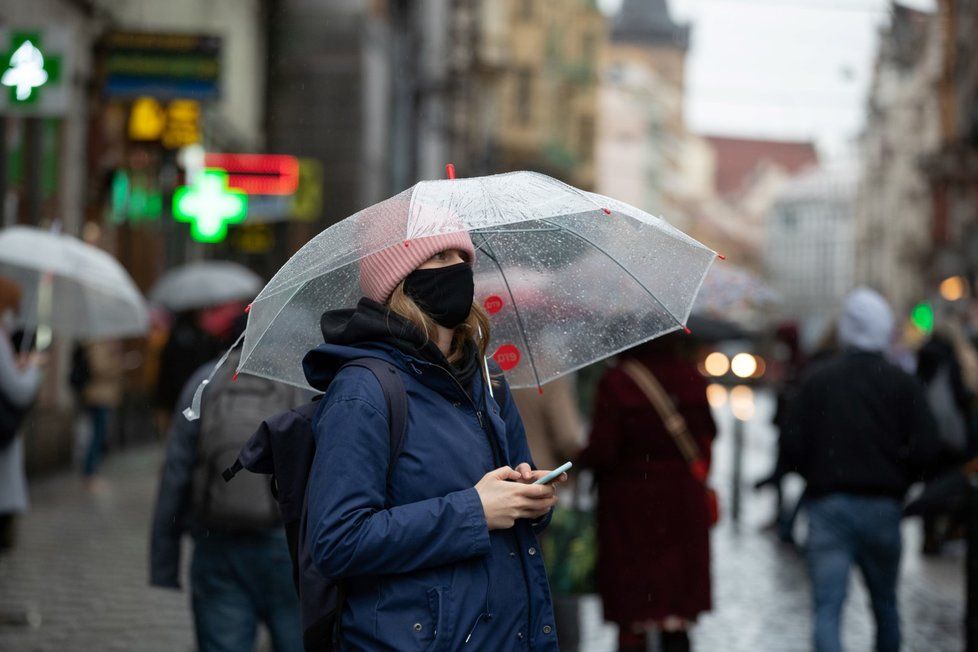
point(444, 293)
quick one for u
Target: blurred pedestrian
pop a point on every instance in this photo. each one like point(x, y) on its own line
point(653, 513)
point(187, 348)
point(97, 375)
point(438, 549)
point(241, 572)
point(20, 377)
point(552, 420)
point(793, 361)
point(941, 365)
point(860, 432)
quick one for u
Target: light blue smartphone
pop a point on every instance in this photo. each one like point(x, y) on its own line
point(553, 475)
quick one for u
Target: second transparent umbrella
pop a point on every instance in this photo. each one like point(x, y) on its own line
point(568, 277)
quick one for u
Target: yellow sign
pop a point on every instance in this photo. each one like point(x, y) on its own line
point(307, 202)
point(182, 124)
point(178, 125)
point(254, 238)
point(146, 120)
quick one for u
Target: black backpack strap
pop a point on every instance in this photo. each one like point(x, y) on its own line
point(396, 397)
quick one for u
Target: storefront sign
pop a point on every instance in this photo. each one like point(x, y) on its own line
point(209, 205)
point(31, 63)
point(164, 66)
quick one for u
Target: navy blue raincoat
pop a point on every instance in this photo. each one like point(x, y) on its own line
point(421, 567)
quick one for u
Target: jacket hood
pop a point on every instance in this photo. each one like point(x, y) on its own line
point(867, 322)
point(373, 330)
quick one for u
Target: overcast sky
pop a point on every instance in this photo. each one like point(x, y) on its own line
point(780, 68)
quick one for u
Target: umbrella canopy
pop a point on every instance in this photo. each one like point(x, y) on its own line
point(545, 250)
point(74, 288)
point(733, 294)
point(204, 284)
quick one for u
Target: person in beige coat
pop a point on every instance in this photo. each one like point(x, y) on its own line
point(100, 395)
point(554, 427)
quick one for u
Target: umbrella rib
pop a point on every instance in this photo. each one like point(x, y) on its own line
point(491, 254)
point(622, 267)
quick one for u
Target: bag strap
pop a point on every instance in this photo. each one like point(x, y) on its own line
point(396, 398)
point(674, 422)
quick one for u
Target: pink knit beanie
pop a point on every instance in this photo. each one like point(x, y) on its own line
point(381, 272)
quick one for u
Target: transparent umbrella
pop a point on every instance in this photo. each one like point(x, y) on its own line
point(208, 283)
point(567, 276)
point(70, 287)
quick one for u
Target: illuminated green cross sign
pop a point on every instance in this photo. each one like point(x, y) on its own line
point(209, 205)
point(25, 68)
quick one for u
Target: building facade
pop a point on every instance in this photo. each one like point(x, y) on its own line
point(524, 83)
point(894, 239)
point(810, 248)
point(642, 138)
point(952, 170)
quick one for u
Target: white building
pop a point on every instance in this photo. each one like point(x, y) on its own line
point(809, 257)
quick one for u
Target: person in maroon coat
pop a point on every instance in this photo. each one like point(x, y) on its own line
point(653, 566)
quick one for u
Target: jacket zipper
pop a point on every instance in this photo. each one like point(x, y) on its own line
point(478, 414)
point(487, 614)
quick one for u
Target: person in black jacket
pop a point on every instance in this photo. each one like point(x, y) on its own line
point(860, 432)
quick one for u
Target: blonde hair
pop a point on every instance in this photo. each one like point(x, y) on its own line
point(475, 327)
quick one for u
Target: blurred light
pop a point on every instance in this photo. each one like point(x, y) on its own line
point(146, 119)
point(258, 174)
point(743, 365)
point(953, 288)
point(26, 69)
point(922, 316)
point(761, 366)
point(716, 364)
point(716, 395)
point(210, 205)
point(742, 402)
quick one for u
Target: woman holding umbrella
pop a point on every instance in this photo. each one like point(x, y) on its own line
point(445, 554)
point(20, 377)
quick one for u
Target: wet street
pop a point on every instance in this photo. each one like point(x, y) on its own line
point(77, 579)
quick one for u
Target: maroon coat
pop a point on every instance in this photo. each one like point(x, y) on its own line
point(653, 523)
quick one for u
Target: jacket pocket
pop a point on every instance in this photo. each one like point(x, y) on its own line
point(442, 619)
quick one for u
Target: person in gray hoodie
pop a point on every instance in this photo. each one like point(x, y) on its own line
point(860, 432)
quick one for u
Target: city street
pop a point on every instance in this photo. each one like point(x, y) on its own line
point(81, 568)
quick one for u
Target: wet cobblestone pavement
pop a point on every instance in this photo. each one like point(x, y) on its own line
point(80, 565)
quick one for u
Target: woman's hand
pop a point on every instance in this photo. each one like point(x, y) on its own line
point(504, 502)
point(529, 476)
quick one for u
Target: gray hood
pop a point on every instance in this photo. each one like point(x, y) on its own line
point(866, 322)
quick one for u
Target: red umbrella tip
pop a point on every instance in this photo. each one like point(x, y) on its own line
point(721, 257)
point(607, 211)
point(687, 331)
point(234, 377)
point(450, 170)
point(407, 244)
point(540, 390)
point(248, 308)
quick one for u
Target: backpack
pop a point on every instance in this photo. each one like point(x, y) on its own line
point(230, 412)
point(284, 446)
